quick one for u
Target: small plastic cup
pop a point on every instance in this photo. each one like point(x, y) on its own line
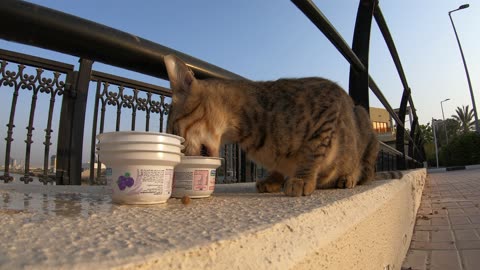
point(195, 176)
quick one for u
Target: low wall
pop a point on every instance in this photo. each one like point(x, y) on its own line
point(368, 227)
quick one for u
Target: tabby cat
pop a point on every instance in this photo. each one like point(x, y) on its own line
point(307, 132)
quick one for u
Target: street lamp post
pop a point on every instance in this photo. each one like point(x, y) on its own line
point(435, 139)
point(443, 116)
point(465, 65)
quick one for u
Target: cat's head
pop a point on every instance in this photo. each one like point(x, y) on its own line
point(192, 113)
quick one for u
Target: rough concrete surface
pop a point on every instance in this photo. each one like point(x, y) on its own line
point(368, 227)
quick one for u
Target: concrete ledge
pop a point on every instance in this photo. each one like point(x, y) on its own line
point(368, 227)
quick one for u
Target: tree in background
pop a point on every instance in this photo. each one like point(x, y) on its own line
point(452, 128)
point(465, 118)
point(426, 133)
point(449, 127)
point(462, 150)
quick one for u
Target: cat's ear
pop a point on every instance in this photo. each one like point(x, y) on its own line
point(180, 76)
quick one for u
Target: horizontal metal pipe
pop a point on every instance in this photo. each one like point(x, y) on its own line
point(322, 23)
point(38, 26)
point(383, 100)
point(133, 84)
point(389, 108)
point(34, 61)
point(382, 25)
point(390, 149)
point(317, 18)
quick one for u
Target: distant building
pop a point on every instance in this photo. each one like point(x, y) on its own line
point(86, 166)
point(382, 124)
point(13, 163)
point(53, 164)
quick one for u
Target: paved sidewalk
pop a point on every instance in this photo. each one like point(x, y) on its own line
point(447, 230)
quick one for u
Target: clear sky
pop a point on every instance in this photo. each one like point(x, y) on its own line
point(271, 39)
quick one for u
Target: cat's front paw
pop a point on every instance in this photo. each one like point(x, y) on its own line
point(296, 187)
point(272, 184)
point(268, 187)
point(345, 182)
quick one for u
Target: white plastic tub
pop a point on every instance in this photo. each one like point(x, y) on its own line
point(140, 177)
point(195, 176)
point(138, 136)
point(140, 165)
point(140, 184)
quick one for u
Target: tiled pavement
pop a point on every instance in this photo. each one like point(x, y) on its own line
point(447, 230)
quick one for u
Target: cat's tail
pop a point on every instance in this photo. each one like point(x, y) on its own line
point(388, 175)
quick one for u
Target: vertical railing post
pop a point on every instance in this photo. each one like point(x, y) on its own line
point(64, 132)
point(358, 85)
point(238, 157)
point(82, 84)
point(93, 140)
point(253, 171)
point(382, 158)
point(400, 137)
point(243, 166)
point(419, 155)
point(72, 124)
point(413, 142)
point(226, 162)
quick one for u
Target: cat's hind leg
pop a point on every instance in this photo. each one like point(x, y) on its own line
point(273, 183)
point(350, 177)
point(318, 150)
point(369, 160)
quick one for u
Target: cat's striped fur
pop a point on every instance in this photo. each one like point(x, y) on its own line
point(307, 131)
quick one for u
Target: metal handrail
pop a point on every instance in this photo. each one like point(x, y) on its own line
point(47, 28)
point(322, 23)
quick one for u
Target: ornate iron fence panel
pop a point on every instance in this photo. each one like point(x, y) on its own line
point(35, 76)
point(127, 98)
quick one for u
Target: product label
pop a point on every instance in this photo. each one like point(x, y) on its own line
point(153, 181)
point(200, 180)
point(183, 180)
point(109, 178)
point(168, 181)
point(211, 181)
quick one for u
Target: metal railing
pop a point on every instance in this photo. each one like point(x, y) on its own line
point(360, 79)
point(39, 26)
point(121, 93)
point(125, 97)
point(50, 78)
